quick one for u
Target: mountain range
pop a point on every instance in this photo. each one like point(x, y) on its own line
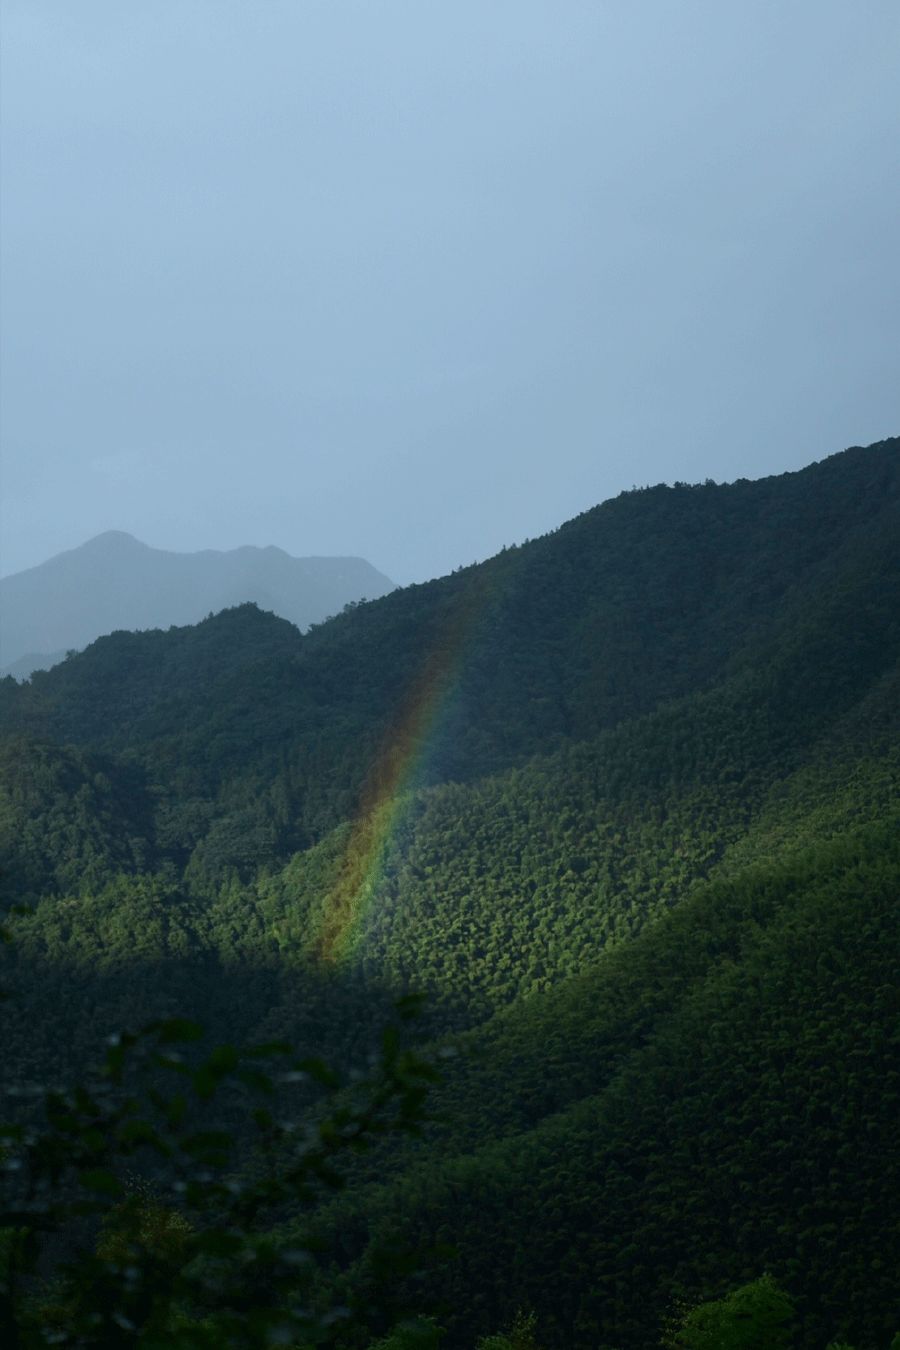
point(115, 582)
point(621, 803)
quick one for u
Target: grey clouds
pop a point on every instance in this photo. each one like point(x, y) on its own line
point(413, 280)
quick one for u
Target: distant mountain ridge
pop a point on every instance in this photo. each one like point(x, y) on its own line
point(116, 582)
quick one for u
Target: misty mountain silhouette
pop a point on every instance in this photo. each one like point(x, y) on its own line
point(115, 581)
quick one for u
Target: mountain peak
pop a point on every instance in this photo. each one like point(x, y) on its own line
point(112, 541)
point(114, 581)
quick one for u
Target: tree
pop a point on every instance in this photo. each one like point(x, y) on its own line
point(519, 1337)
point(757, 1316)
point(92, 1253)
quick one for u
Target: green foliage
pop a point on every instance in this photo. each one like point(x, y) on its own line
point(521, 1335)
point(95, 1254)
point(758, 1316)
point(420, 1333)
point(718, 1096)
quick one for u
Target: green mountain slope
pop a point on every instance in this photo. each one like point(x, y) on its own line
point(649, 597)
point(717, 1098)
point(622, 802)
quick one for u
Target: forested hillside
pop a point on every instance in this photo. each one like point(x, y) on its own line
point(621, 802)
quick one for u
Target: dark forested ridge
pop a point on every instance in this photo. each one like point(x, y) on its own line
point(621, 801)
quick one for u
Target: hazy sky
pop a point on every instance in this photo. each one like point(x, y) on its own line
point(413, 280)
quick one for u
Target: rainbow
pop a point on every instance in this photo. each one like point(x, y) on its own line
point(387, 794)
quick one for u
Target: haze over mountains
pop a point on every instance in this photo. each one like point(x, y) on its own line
point(115, 582)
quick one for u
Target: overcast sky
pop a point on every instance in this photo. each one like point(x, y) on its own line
point(412, 280)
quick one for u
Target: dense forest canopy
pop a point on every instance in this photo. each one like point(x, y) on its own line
point(621, 802)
